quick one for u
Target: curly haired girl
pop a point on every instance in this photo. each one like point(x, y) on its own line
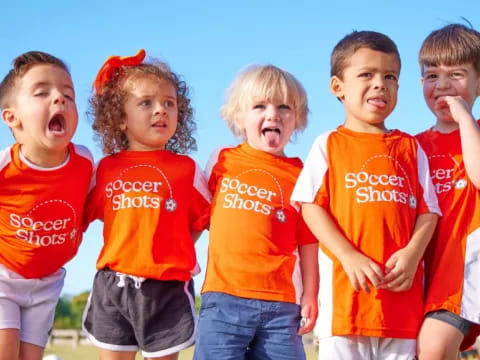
point(154, 203)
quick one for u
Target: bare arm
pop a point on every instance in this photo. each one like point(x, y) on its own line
point(309, 303)
point(469, 135)
point(359, 268)
point(402, 265)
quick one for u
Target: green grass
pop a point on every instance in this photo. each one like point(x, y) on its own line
point(66, 352)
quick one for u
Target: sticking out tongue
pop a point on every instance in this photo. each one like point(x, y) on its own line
point(272, 136)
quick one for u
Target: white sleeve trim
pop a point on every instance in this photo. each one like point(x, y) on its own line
point(200, 183)
point(429, 194)
point(5, 157)
point(312, 175)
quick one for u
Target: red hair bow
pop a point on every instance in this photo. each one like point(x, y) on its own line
point(111, 66)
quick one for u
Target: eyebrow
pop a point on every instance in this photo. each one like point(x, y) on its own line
point(376, 69)
point(47, 83)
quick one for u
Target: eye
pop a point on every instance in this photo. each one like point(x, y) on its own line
point(391, 77)
point(284, 107)
point(169, 104)
point(69, 96)
point(259, 106)
point(41, 93)
point(457, 75)
point(145, 103)
point(365, 75)
point(430, 76)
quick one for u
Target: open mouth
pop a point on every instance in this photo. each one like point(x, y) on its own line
point(270, 130)
point(57, 124)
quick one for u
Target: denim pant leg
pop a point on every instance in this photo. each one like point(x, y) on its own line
point(226, 326)
point(276, 337)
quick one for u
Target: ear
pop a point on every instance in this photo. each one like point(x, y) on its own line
point(123, 125)
point(9, 118)
point(336, 87)
point(422, 80)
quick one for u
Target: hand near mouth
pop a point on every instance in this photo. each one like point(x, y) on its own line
point(456, 106)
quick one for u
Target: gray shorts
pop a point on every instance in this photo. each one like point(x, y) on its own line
point(450, 318)
point(155, 316)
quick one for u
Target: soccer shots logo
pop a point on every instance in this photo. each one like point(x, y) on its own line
point(259, 198)
point(51, 222)
point(372, 185)
point(140, 186)
point(447, 173)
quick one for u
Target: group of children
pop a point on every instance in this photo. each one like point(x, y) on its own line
point(375, 240)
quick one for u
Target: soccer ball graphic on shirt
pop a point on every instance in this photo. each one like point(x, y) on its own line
point(460, 184)
point(170, 205)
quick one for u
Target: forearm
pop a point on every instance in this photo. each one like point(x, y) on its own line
point(309, 266)
point(422, 233)
point(326, 231)
point(470, 138)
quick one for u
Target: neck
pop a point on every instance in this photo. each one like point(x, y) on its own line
point(44, 158)
point(445, 127)
point(366, 127)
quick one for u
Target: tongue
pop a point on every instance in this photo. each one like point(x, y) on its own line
point(273, 138)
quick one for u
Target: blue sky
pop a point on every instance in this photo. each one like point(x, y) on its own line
point(208, 42)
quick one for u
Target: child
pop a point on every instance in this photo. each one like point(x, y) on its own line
point(153, 202)
point(44, 180)
point(368, 198)
point(258, 240)
point(450, 65)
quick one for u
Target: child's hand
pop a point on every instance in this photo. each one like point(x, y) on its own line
point(456, 106)
point(360, 270)
point(309, 312)
point(400, 270)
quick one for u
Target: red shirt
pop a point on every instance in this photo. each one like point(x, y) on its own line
point(41, 211)
point(452, 261)
point(150, 202)
point(374, 186)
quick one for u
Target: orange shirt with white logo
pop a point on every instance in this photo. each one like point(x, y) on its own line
point(255, 231)
point(374, 186)
point(150, 203)
point(452, 259)
point(41, 211)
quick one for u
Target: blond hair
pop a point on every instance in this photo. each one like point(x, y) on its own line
point(266, 83)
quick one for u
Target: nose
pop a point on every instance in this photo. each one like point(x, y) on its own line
point(442, 82)
point(59, 98)
point(160, 110)
point(379, 82)
point(272, 112)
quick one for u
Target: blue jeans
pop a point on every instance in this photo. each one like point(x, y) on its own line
point(234, 328)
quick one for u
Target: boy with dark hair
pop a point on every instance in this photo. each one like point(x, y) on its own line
point(367, 197)
point(44, 179)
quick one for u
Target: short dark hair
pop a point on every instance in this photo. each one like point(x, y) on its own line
point(21, 64)
point(453, 44)
point(356, 40)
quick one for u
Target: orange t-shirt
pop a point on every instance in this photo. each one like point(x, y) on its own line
point(452, 259)
point(374, 186)
point(150, 202)
point(41, 211)
point(254, 229)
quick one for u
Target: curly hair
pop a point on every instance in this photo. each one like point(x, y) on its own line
point(107, 109)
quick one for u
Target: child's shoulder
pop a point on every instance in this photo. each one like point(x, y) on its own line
point(82, 151)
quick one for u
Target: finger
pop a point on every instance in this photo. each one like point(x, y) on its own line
point(354, 282)
point(374, 274)
point(398, 281)
point(402, 286)
point(392, 276)
point(364, 283)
